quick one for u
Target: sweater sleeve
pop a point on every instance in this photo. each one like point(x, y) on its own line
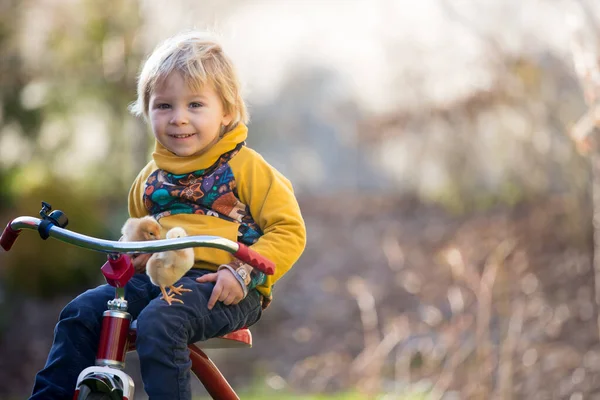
point(273, 206)
point(135, 202)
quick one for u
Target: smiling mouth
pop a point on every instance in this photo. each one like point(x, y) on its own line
point(182, 136)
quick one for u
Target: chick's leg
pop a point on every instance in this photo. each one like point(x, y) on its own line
point(177, 290)
point(168, 297)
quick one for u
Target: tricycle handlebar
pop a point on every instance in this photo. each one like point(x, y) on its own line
point(238, 250)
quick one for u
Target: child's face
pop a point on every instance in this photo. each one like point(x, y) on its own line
point(187, 122)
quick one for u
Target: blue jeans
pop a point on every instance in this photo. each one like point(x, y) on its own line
point(163, 335)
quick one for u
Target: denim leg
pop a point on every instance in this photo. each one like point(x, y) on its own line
point(165, 331)
point(77, 334)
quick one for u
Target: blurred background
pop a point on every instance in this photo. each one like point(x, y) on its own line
point(442, 151)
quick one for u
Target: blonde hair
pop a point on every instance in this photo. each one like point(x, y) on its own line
point(200, 59)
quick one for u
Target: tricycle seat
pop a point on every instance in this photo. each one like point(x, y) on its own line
point(242, 338)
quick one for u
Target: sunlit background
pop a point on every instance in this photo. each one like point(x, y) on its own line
point(442, 151)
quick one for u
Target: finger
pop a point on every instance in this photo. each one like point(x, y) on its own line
point(141, 258)
point(236, 300)
point(214, 296)
point(239, 292)
point(139, 263)
point(207, 278)
point(236, 290)
point(224, 294)
point(231, 299)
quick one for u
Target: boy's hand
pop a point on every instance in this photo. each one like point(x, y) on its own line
point(227, 289)
point(139, 262)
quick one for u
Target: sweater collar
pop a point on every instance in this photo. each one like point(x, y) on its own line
point(168, 161)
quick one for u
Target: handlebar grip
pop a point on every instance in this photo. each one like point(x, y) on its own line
point(9, 235)
point(249, 256)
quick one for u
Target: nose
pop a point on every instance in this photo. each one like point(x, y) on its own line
point(179, 117)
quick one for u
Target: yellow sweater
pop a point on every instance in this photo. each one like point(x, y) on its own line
point(256, 196)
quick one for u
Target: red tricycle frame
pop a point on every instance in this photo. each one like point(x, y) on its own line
point(106, 379)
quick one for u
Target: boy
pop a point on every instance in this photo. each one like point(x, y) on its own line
point(204, 179)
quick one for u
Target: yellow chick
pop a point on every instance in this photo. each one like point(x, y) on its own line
point(139, 229)
point(166, 268)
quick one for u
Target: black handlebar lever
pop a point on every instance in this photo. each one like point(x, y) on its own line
point(56, 217)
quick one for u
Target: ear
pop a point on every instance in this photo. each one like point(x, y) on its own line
point(227, 118)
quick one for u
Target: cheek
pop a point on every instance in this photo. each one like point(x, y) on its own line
point(212, 121)
point(155, 121)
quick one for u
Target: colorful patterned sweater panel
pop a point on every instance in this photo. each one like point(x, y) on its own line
point(211, 192)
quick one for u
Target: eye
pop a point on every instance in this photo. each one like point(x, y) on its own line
point(163, 106)
point(151, 234)
point(196, 104)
